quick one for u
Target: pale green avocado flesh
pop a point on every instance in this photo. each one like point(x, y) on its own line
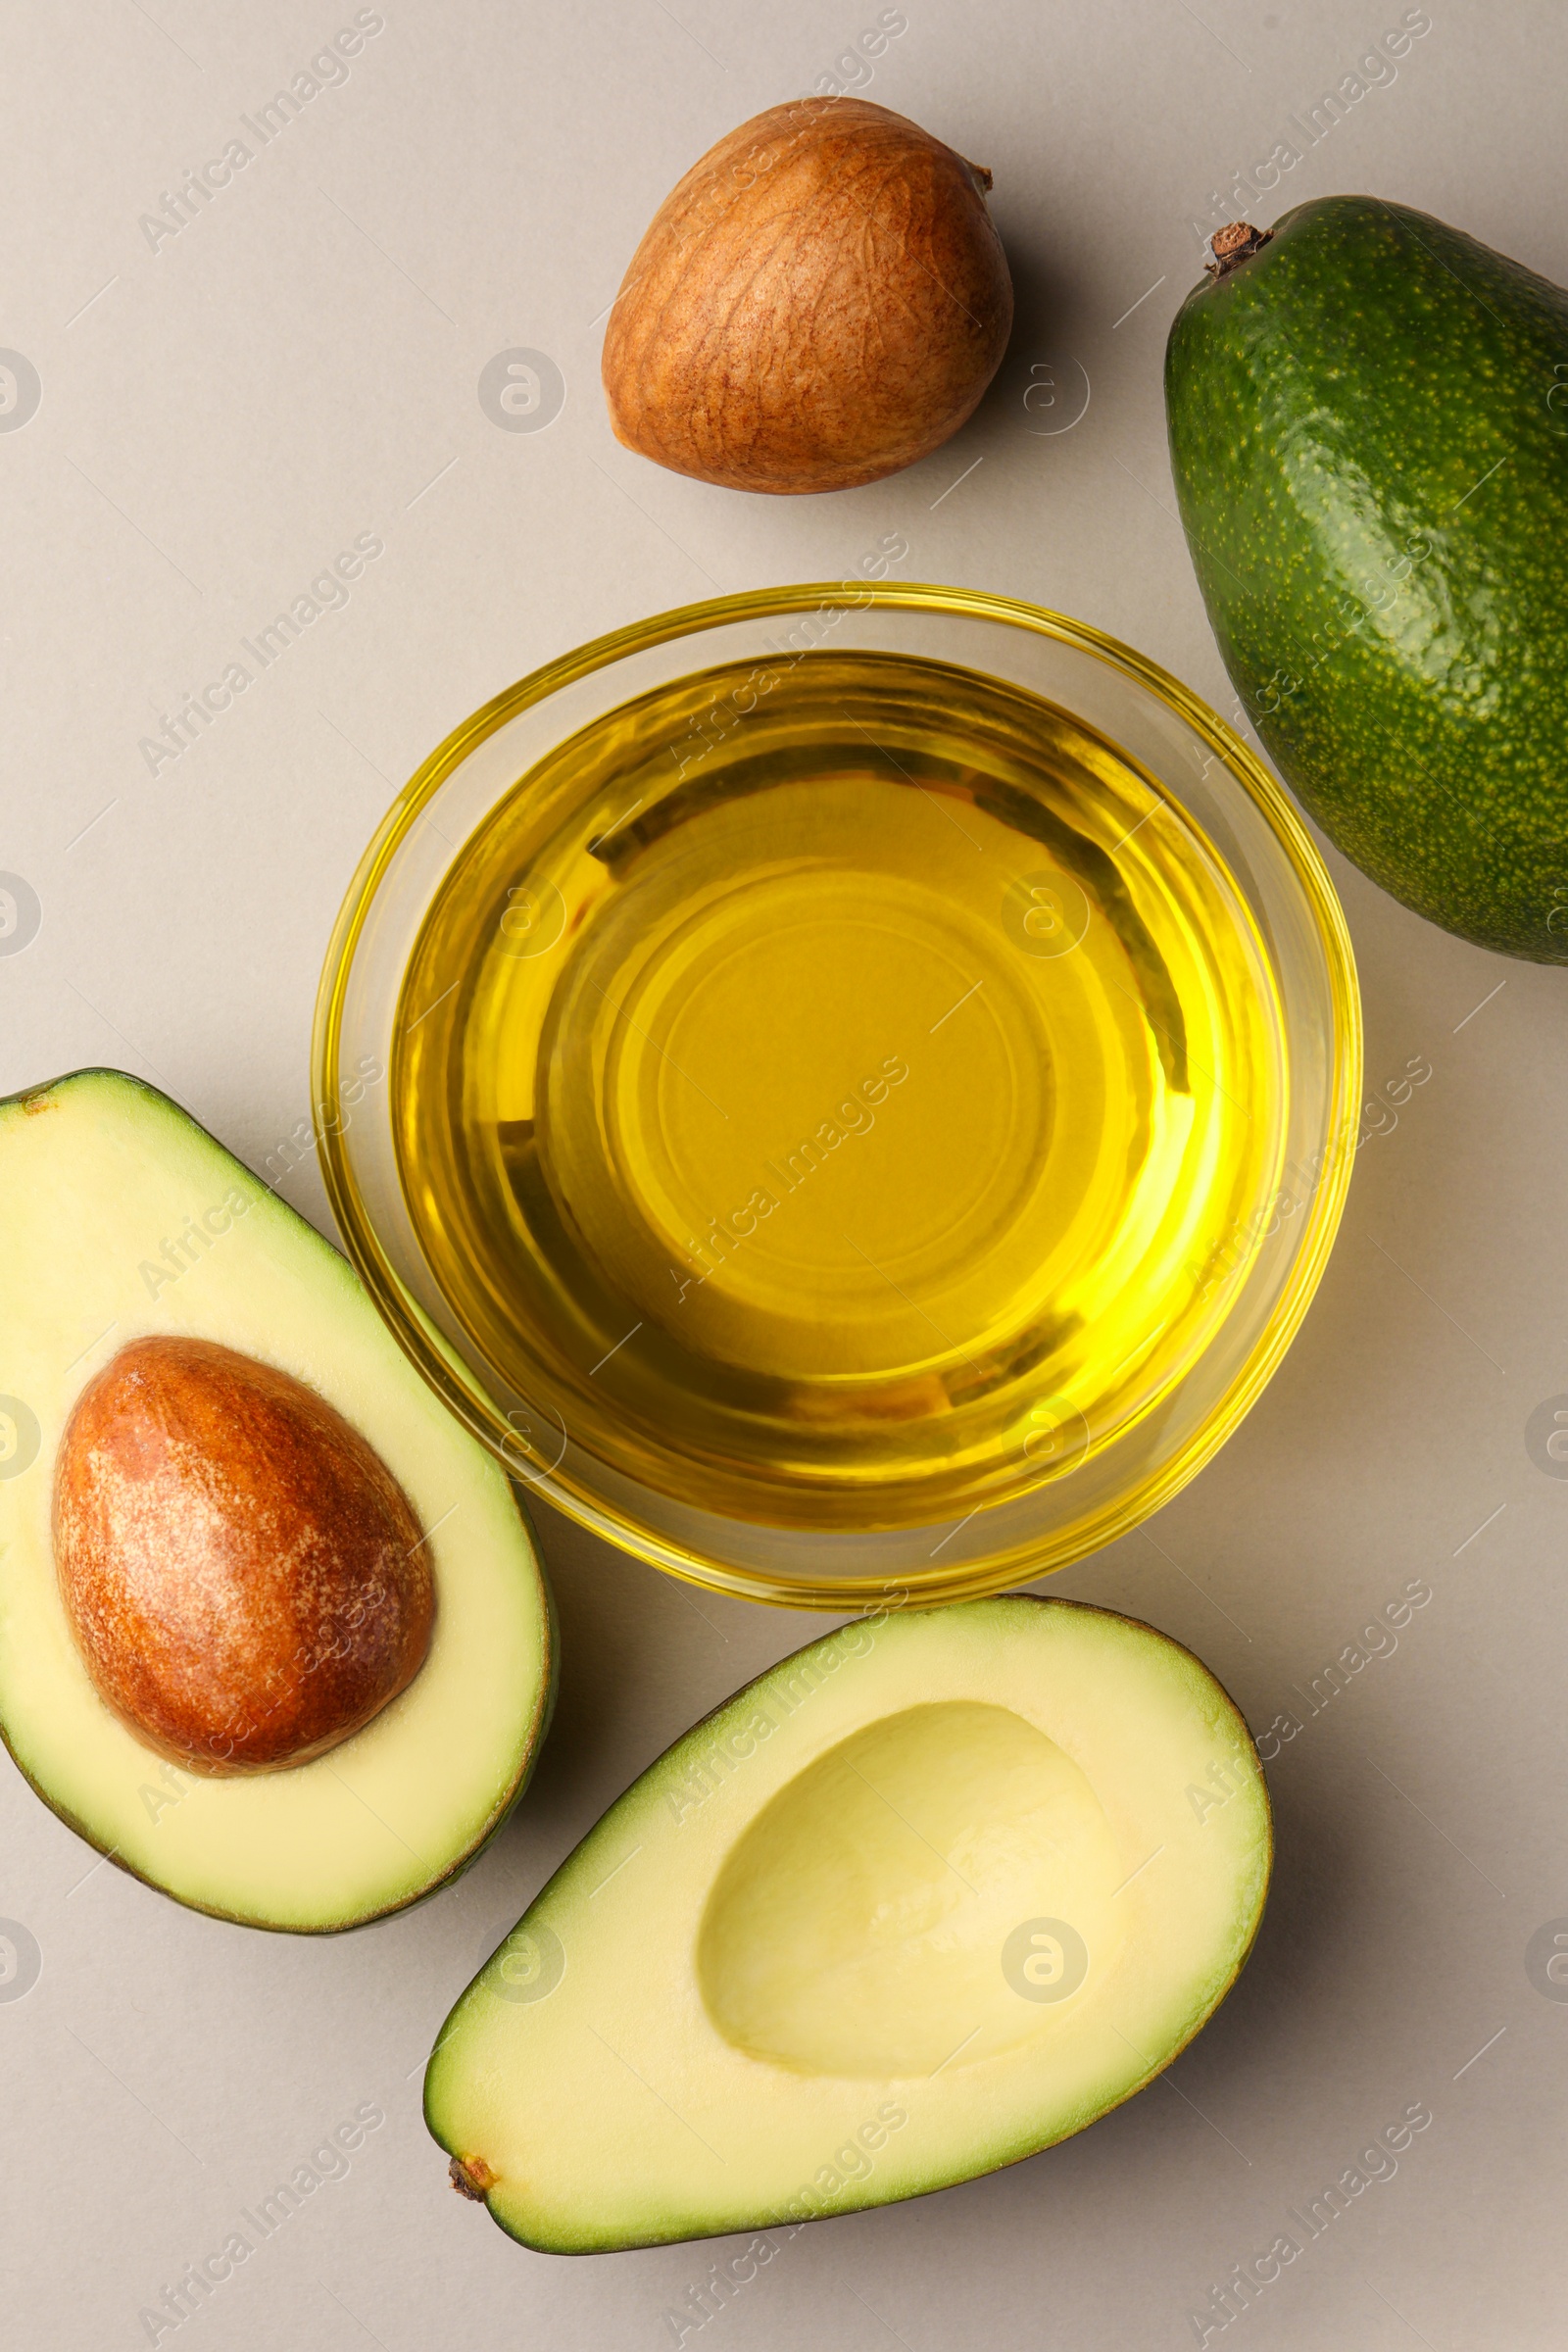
point(121, 1217)
point(925, 1898)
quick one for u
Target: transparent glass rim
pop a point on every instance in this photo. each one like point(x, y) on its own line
point(1028, 1559)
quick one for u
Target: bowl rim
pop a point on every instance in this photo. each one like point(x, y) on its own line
point(1024, 1561)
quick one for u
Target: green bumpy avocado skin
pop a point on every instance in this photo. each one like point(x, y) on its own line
point(1369, 433)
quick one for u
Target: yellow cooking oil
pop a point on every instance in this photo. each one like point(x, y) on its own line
point(838, 1094)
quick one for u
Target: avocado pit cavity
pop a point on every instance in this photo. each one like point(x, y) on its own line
point(246, 1579)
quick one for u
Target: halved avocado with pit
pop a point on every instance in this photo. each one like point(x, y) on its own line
point(923, 1899)
point(216, 1462)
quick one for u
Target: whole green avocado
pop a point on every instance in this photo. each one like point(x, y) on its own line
point(1368, 417)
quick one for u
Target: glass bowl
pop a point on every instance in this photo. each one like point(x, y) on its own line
point(1076, 1492)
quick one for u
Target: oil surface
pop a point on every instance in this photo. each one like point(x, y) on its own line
point(835, 1091)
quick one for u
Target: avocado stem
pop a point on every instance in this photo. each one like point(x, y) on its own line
point(471, 2179)
point(1232, 244)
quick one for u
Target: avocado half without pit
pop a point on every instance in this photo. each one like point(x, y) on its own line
point(925, 1898)
point(273, 1630)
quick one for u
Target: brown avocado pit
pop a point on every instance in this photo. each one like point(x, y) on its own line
point(246, 1579)
point(822, 300)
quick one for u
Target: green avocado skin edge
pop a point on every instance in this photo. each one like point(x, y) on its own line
point(1368, 427)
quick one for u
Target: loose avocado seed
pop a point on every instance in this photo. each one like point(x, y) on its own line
point(246, 1578)
point(822, 300)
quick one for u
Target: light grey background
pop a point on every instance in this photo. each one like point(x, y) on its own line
point(300, 363)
